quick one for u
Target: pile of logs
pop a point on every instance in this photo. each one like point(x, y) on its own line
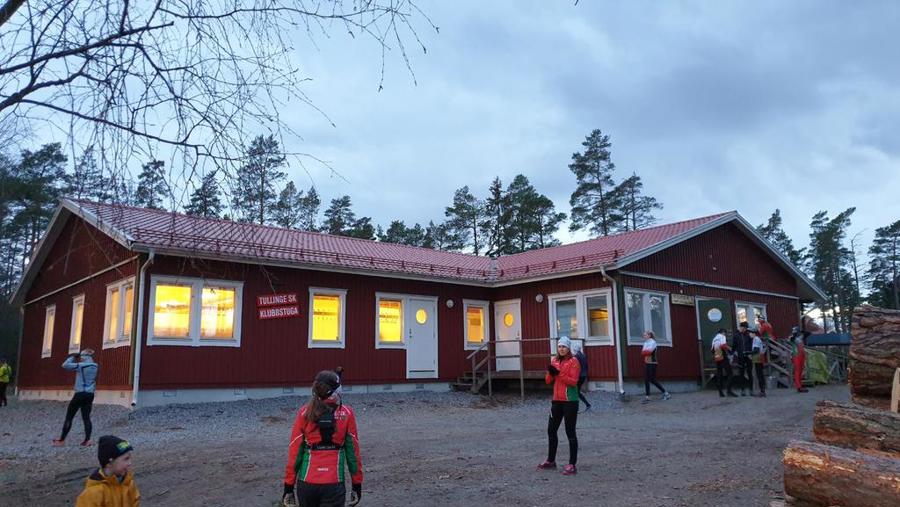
point(855, 460)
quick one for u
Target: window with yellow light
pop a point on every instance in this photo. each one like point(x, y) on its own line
point(217, 313)
point(326, 318)
point(128, 302)
point(112, 329)
point(172, 311)
point(475, 328)
point(390, 321)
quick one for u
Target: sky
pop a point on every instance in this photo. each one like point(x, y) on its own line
point(718, 106)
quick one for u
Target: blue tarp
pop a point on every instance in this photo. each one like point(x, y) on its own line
point(816, 340)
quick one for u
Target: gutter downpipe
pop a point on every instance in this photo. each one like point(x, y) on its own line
point(19, 348)
point(140, 330)
point(615, 298)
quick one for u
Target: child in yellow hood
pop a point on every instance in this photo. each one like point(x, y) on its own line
point(112, 485)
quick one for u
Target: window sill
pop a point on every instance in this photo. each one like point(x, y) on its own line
point(390, 346)
point(115, 345)
point(325, 345)
point(46, 354)
point(598, 342)
point(632, 343)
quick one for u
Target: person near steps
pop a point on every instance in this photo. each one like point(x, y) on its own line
point(82, 363)
point(563, 372)
point(743, 347)
point(758, 356)
point(583, 374)
point(648, 352)
point(721, 351)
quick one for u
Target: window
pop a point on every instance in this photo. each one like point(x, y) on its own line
point(648, 311)
point(748, 312)
point(477, 323)
point(194, 312)
point(390, 320)
point(581, 315)
point(49, 320)
point(326, 319)
point(77, 320)
point(119, 308)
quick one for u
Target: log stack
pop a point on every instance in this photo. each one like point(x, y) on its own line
point(855, 460)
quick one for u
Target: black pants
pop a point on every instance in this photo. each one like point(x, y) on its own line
point(3, 401)
point(581, 382)
point(745, 372)
point(560, 410)
point(650, 378)
point(321, 495)
point(723, 374)
point(83, 402)
point(760, 378)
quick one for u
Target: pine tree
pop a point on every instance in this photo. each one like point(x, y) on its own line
point(532, 218)
point(548, 222)
point(594, 201)
point(42, 180)
point(254, 198)
point(884, 267)
point(288, 210)
point(309, 210)
point(400, 234)
point(828, 262)
point(87, 180)
point(465, 217)
point(362, 228)
point(339, 217)
point(775, 234)
point(205, 201)
point(439, 237)
point(152, 186)
point(635, 209)
point(495, 220)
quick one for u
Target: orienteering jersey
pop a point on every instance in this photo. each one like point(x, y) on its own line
point(315, 462)
point(565, 383)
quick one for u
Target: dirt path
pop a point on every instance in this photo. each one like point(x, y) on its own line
point(440, 449)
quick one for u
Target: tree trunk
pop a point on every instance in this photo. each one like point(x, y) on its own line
point(855, 427)
point(822, 475)
point(874, 352)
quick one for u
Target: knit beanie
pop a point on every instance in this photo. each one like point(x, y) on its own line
point(110, 448)
point(564, 342)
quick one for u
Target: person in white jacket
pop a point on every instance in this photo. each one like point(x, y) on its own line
point(648, 352)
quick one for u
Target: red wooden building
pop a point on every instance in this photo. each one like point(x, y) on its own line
point(182, 308)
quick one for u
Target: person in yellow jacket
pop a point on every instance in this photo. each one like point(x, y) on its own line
point(5, 377)
point(112, 485)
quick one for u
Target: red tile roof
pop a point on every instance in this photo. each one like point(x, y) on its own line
point(169, 232)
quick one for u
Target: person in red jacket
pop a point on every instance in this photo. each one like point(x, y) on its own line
point(323, 438)
point(766, 331)
point(563, 372)
point(797, 340)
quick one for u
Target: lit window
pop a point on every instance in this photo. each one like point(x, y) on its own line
point(748, 312)
point(476, 323)
point(49, 320)
point(217, 313)
point(647, 311)
point(77, 320)
point(195, 312)
point(390, 320)
point(582, 315)
point(118, 317)
point(508, 319)
point(421, 316)
point(326, 322)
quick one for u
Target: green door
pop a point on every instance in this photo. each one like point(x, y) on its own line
point(712, 315)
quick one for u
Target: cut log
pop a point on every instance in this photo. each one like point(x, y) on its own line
point(874, 351)
point(823, 475)
point(855, 427)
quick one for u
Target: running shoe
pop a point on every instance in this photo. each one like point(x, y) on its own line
point(58, 443)
point(547, 465)
point(569, 470)
point(666, 395)
point(87, 443)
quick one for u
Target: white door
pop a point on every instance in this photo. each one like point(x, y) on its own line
point(421, 338)
point(509, 333)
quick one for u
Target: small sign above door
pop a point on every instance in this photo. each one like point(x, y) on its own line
point(682, 299)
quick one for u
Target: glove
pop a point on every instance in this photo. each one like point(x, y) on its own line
point(355, 494)
point(552, 370)
point(287, 498)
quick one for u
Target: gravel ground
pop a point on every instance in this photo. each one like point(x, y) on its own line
point(444, 448)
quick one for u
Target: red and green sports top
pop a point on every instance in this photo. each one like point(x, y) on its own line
point(565, 384)
point(319, 466)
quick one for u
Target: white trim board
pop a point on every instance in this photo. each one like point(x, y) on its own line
point(704, 284)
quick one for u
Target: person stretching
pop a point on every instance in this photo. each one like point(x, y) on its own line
point(563, 372)
point(83, 399)
point(648, 352)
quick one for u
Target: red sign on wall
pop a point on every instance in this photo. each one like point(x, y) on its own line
point(276, 299)
point(277, 306)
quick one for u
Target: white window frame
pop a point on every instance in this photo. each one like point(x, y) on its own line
point(485, 307)
point(73, 346)
point(197, 285)
point(342, 337)
point(581, 316)
point(749, 305)
point(47, 342)
point(121, 338)
point(404, 302)
point(667, 305)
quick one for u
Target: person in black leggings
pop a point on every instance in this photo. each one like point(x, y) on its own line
point(563, 372)
point(648, 352)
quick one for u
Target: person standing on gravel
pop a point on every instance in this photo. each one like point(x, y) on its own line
point(563, 372)
point(721, 351)
point(758, 355)
point(5, 376)
point(743, 347)
point(323, 438)
point(85, 383)
point(583, 373)
point(648, 352)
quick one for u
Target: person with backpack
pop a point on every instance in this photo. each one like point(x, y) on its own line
point(721, 352)
point(82, 363)
point(563, 372)
point(758, 356)
point(583, 374)
point(648, 352)
point(324, 437)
